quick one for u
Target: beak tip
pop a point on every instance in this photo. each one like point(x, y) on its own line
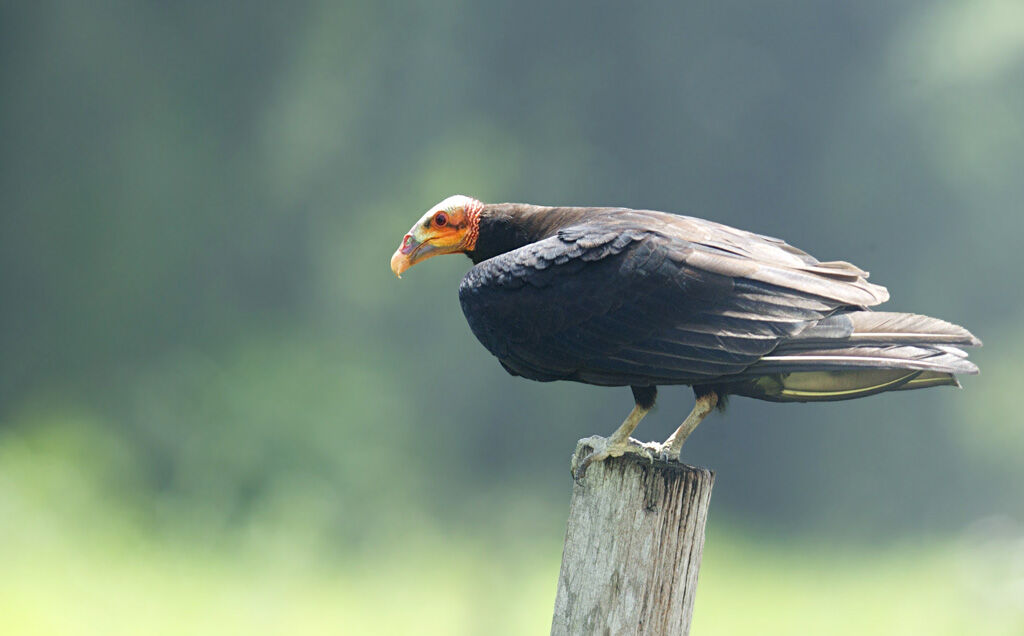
point(399, 263)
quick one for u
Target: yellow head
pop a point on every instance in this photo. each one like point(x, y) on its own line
point(449, 227)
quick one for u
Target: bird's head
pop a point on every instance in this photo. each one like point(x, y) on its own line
point(449, 227)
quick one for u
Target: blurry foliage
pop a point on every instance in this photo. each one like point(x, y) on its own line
point(219, 411)
point(996, 436)
point(198, 201)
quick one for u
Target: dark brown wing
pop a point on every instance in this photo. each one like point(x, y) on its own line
point(732, 252)
point(643, 298)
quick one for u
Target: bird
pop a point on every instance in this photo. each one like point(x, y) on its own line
point(614, 296)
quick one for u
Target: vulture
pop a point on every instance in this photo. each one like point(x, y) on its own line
point(640, 298)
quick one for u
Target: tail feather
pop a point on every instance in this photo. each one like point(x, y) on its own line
point(883, 327)
point(860, 353)
point(916, 357)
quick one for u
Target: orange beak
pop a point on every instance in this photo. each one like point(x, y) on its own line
point(406, 255)
point(419, 245)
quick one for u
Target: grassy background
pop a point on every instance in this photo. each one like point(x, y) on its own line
point(76, 563)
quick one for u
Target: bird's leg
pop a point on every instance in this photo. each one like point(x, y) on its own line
point(616, 445)
point(674, 444)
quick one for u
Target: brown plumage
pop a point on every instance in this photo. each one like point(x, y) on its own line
point(620, 297)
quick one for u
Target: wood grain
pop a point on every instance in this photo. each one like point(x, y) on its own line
point(633, 546)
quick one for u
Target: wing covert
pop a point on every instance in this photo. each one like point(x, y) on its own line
point(619, 303)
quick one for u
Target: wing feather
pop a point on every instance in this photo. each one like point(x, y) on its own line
point(630, 300)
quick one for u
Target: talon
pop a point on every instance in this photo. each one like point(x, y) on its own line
point(580, 471)
point(599, 453)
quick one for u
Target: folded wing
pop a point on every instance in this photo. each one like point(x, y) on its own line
point(647, 298)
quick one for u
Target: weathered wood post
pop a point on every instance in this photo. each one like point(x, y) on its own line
point(633, 546)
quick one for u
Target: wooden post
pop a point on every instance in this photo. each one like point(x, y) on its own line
point(633, 546)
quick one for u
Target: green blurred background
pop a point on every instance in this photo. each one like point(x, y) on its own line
point(221, 413)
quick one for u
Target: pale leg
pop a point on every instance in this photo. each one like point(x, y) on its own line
point(674, 444)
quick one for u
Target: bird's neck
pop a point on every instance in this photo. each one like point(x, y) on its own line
point(504, 227)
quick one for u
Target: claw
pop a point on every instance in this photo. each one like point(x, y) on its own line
point(578, 472)
point(578, 467)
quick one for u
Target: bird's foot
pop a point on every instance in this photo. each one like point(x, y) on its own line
point(605, 447)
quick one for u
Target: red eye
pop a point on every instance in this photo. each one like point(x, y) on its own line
point(440, 219)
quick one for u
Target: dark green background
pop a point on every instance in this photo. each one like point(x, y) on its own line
point(198, 202)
